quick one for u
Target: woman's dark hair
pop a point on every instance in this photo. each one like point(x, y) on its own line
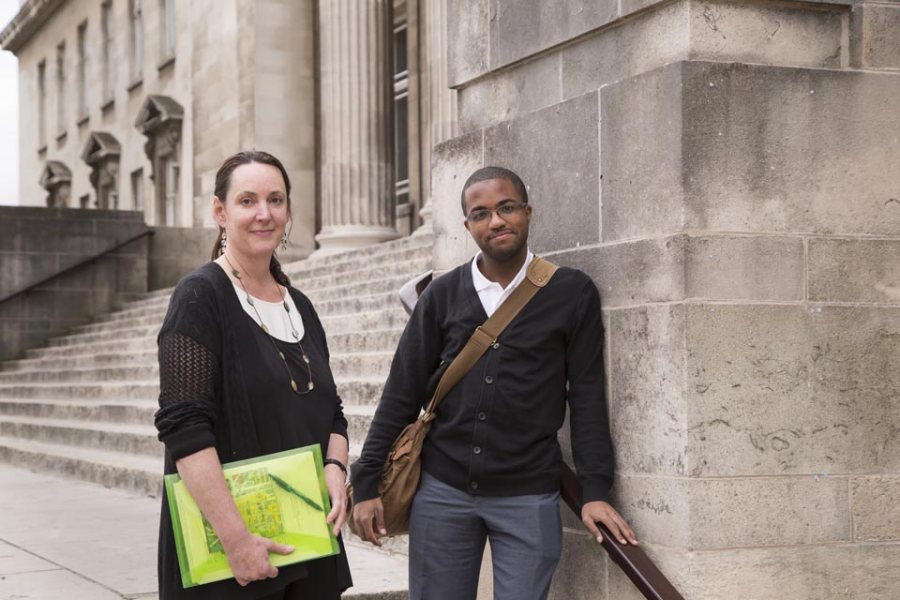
point(223, 182)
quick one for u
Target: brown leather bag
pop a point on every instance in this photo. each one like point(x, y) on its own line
point(403, 466)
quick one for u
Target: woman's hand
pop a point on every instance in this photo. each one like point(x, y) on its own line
point(337, 491)
point(248, 557)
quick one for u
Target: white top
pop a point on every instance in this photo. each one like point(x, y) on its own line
point(489, 292)
point(279, 322)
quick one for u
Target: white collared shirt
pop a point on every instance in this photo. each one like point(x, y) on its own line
point(489, 292)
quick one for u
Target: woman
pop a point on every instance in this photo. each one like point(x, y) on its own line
point(243, 368)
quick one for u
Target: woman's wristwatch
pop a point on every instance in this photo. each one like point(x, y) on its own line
point(337, 463)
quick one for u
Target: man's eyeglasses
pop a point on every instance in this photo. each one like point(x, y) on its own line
point(480, 215)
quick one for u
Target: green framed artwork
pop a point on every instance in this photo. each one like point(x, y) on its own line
point(280, 496)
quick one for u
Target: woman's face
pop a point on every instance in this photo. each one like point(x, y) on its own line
point(255, 212)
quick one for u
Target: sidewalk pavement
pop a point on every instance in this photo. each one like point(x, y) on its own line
point(62, 539)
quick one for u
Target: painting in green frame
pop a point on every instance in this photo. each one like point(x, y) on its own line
point(280, 496)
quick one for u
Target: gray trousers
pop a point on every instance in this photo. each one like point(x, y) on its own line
point(447, 532)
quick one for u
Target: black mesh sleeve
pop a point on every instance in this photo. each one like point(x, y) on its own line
point(188, 371)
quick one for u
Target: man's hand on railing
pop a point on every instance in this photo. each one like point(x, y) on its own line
point(606, 514)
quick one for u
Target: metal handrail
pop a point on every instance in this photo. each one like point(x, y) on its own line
point(90, 259)
point(642, 571)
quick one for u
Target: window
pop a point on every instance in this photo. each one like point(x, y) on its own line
point(82, 72)
point(167, 29)
point(401, 115)
point(169, 191)
point(42, 104)
point(137, 41)
point(61, 88)
point(109, 68)
point(84, 201)
point(137, 190)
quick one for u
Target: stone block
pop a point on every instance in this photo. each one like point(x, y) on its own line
point(468, 25)
point(874, 43)
point(758, 268)
point(876, 508)
point(633, 272)
point(750, 149)
point(644, 42)
point(784, 34)
point(854, 270)
point(641, 155)
point(789, 150)
point(707, 514)
point(563, 186)
point(521, 28)
point(582, 568)
point(452, 163)
point(790, 389)
point(646, 351)
point(510, 94)
point(826, 572)
point(627, 7)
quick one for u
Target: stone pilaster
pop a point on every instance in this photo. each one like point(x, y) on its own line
point(356, 124)
point(439, 119)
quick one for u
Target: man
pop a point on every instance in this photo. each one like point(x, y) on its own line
point(491, 462)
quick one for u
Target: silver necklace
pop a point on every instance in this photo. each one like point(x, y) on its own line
point(294, 332)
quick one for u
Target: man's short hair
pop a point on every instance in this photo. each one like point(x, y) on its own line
point(485, 173)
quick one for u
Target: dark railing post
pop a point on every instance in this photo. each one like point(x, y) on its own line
point(642, 572)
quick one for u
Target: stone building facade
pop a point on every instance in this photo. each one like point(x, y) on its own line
point(727, 171)
point(133, 104)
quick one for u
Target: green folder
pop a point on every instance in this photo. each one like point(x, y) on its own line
point(280, 496)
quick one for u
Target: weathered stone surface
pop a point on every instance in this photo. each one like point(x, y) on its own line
point(645, 42)
point(633, 272)
point(641, 155)
point(876, 508)
point(854, 270)
point(826, 572)
point(791, 389)
point(787, 34)
point(563, 187)
point(582, 568)
point(452, 163)
point(672, 562)
point(745, 268)
point(646, 352)
point(520, 28)
point(510, 94)
point(468, 23)
point(874, 43)
point(750, 148)
point(706, 514)
point(766, 149)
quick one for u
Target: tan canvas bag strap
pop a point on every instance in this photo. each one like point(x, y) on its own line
point(537, 276)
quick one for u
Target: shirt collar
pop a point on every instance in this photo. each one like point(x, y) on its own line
point(481, 282)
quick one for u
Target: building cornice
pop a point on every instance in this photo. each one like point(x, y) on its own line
point(31, 16)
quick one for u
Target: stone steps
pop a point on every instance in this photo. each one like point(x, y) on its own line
point(83, 405)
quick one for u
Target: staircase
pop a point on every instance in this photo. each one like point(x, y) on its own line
point(83, 406)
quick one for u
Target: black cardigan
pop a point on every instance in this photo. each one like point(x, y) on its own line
point(222, 385)
point(496, 431)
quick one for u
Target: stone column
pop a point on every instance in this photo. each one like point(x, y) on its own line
point(356, 124)
point(439, 101)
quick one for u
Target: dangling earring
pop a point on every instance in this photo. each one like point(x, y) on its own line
point(284, 242)
point(224, 243)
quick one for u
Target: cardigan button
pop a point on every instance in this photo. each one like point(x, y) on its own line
point(482, 416)
point(489, 380)
point(477, 449)
point(473, 485)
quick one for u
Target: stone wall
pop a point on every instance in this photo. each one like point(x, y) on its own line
point(36, 243)
point(729, 178)
point(176, 251)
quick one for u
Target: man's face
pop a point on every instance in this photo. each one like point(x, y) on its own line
point(499, 236)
